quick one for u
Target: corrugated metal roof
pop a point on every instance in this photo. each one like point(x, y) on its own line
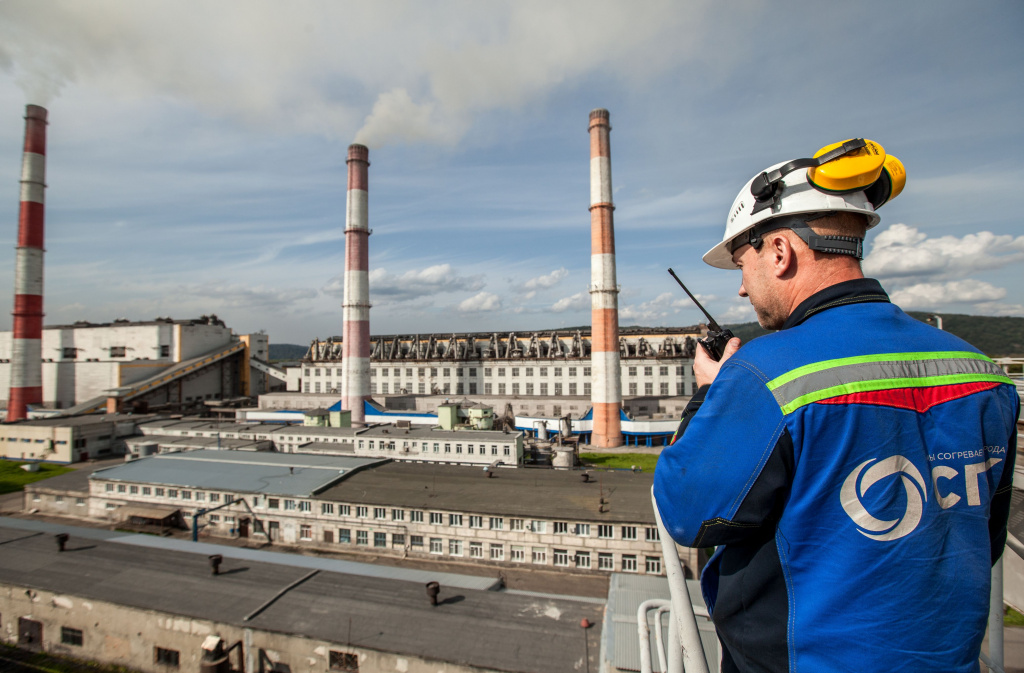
point(625, 594)
point(239, 472)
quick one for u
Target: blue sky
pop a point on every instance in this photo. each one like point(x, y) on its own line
point(196, 152)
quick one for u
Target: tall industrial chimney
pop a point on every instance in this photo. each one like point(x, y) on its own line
point(27, 337)
point(355, 354)
point(606, 381)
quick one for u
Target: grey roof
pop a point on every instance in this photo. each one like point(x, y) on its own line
point(525, 492)
point(483, 629)
point(622, 643)
point(294, 474)
point(87, 419)
point(201, 442)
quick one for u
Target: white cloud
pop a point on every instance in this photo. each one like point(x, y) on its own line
point(404, 72)
point(480, 302)
point(737, 314)
point(547, 280)
point(901, 251)
point(577, 302)
point(386, 287)
point(936, 295)
point(656, 309)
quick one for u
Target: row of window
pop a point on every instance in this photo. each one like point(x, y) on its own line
point(495, 551)
point(71, 353)
point(604, 531)
point(425, 447)
point(447, 371)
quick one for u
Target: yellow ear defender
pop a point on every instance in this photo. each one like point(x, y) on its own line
point(868, 168)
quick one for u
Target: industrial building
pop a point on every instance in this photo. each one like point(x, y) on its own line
point(547, 519)
point(159, 607)
point(415, 444)
point(68, 440)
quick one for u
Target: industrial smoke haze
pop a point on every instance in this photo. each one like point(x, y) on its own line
point(404, 72)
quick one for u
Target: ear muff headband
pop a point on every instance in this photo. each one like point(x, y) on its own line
point(765, 187)
point(851, 172)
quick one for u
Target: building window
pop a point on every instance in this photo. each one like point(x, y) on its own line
point(497, 523)
point(380, 539)
point(344, 536)
point(663, 371)
point(558, 389)
point(679, 389)
point(516, 524)
point(416, 516)
point(529, 388)
point(380, 513)
point(273, 503)
point(586, 388)
point(632, 388)
point(70, 353)
point(561, 557)
point(519, 554)
point(305, 532)
point(653, 565)
point(539, 555)
point(326, 508)
point(165, 657)
point(539, 527)
point(316, 387)
point(497, 552)
point(70, 636)
point(121, 488)
point(455, 547)
point(476, 521)
point(582, 529)
point(476, 549)
point(605, 531)
point(648, 371)
point(515, 388)
point(558, 371)
point(398, 515)
point(648, 388)
point(416, 540)
point(664, 389)
point(454, 519)
point(421, 388)
point(362, 511)
point(362, 537)
point(398, 539)
point(305, 387)
point(515, 372)
point(344, 510)
point(487, 389)
point(436, 519)
point(172, 493)
point(583, 559)
point(628, 563)
point(632, 371)
point(79, 502)
point(651, 534)
point(344, 661)
point(572, 388)
point(436, 545)
point(629, 532)
point(290, 505)
point(605, 562)
point(59, 499)
point(501, 388)
point(561, 528)
point(305, 506)
point(110, 488)
point(118, 352)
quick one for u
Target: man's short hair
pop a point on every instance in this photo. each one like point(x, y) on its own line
point(840, 224)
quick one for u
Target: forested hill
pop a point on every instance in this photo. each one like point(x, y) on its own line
point(287, 351)
point(994, 336)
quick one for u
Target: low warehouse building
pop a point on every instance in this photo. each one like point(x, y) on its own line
point(162, 609)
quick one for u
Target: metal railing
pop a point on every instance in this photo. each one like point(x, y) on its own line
point(685, 652)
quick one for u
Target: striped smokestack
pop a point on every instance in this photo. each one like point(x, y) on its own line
point(606, 382)
point(355, 381)
point(27, 338)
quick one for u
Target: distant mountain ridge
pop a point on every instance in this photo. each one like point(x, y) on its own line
point(996, 337)
point(287, 351)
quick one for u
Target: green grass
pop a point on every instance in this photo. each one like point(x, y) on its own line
point(1012, 618)
point(13, 478)
point(644, 461)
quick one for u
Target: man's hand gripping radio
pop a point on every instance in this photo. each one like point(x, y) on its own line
point(714, 343)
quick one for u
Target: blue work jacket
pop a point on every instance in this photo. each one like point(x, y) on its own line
point(854, 472)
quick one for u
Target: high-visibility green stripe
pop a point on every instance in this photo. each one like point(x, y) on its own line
point(878, 357)
point(886, 384)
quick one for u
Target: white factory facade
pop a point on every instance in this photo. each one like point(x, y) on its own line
point(654, 363)
point(86, 361)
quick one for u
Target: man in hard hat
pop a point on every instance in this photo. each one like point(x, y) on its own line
point(854, 468)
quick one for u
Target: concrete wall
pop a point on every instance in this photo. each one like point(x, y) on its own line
point(65, 443)
point(124, 636)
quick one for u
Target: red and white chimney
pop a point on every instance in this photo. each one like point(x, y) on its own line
point(27, 336)
point(606, 381)
point(355, 354)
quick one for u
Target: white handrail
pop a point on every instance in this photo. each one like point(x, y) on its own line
point(694, 660)
point(644, 632)
point(657, 636)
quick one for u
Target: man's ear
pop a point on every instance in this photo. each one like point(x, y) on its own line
point(780, 253)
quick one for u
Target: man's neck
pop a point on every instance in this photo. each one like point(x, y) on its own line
point(823, 276)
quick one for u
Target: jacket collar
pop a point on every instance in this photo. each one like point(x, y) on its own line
point(857, 291)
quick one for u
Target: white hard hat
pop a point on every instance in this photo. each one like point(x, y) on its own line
point(790, 192)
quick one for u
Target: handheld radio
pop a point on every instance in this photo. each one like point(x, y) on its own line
point(714, 343)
